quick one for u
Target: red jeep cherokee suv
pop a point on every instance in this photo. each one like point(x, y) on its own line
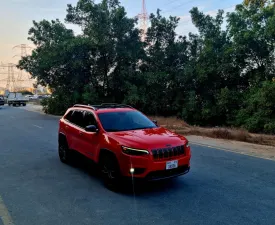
point(123, 142)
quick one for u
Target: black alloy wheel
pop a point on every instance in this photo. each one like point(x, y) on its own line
point(64, 152)
point(110, 172)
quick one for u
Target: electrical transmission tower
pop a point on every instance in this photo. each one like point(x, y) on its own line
point(23, 52)
point(143, 17)
point(11, 84)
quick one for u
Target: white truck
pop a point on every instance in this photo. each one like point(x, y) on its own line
point(15, 98)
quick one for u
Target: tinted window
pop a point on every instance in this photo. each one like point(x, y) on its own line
point(77, 118)
point(89, 119)
point(69, 116)
point(122, 121)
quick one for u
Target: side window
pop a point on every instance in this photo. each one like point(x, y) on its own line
point(77, 118)
point(89, 119)
point(69, 116)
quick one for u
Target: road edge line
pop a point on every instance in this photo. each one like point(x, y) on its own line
point(229, 150)
point(4, 213)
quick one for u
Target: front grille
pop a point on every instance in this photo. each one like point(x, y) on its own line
point(164, 153)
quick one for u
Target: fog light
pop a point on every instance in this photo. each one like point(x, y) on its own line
point(132, 170)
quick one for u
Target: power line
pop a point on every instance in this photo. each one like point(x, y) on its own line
point(216, 10)
point(176, 7)
point(171, 2)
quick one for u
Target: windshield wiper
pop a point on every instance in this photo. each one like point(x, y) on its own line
point(142, 128)
point(112, 130)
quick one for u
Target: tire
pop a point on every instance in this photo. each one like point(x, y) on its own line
point(64, 151)
point(24, 104)
point(13, 105)
point(110, 171)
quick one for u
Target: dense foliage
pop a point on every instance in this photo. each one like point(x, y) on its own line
point(217, 77)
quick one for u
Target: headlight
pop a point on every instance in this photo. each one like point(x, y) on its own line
point(134, 151)
point(187, 144)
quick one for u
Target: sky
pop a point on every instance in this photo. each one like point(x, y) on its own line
point(16, 17)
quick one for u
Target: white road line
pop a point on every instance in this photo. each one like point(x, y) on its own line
point(38, 126)
point(229, 150)
point(4, 214)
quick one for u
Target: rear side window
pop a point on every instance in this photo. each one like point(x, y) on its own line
point(77, 118)
point(69, 116)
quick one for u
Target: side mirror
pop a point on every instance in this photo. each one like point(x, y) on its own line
point(155, 122)
point(91, 129)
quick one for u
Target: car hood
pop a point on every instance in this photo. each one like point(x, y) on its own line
point(148, 138)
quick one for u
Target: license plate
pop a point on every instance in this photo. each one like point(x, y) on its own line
point(172, 164)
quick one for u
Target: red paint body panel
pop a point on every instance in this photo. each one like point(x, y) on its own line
point(90, 144)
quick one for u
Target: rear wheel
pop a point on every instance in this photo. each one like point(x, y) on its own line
point(110, 171)
point(63, 151)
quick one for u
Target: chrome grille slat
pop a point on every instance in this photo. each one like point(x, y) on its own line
point(165, 153)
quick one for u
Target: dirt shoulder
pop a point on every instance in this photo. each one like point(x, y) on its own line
point(233, 140)
point(260, 151)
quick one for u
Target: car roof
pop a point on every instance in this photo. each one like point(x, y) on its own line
point(104, 108)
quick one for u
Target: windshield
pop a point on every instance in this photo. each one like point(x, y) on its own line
point(122, 121)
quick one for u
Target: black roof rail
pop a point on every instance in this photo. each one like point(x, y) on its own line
point(115, 105)
point(103, 106)
point(85, 106)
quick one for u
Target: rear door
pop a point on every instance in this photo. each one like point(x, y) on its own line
point(74, 129)
point(90, 141)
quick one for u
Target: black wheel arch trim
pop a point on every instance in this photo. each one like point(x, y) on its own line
point(61, 135)
point(110, 152)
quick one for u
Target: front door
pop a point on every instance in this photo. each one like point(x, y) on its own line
point(90, 141)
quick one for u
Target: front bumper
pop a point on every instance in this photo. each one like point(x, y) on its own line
point(167, 174)
point(149, 169)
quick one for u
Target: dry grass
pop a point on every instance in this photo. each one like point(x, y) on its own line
point(182, 127)
point(35, 102)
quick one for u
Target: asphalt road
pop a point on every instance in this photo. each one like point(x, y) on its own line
point(36, 188)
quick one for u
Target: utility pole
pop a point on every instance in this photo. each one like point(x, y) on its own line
point(23, 49)
point(143, 16)
point(23, 52)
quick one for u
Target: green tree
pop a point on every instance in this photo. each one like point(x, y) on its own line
point(257, 114)
point(219, 76)
point(252, 31)
point(165, 57)
point(116, 40)
point(261, 3)
point(90, 67)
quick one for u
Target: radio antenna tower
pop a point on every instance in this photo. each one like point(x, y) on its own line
point(143, 17)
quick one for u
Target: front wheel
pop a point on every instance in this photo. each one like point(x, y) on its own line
point(110, 171)
point(64, 152)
